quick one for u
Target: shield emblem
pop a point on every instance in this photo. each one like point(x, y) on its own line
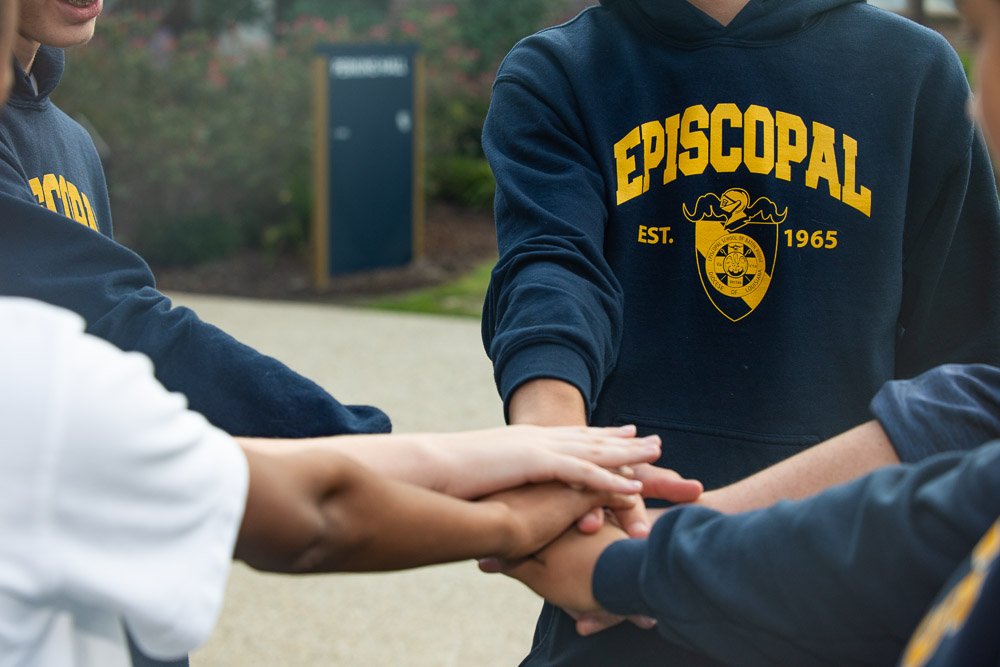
point(735, 267)
point(735, 248)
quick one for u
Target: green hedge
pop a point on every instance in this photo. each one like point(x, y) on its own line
point(210, 153)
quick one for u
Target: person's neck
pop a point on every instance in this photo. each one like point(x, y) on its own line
point(25, 50)
point(722, 11)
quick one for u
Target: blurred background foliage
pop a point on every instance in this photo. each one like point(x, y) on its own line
point(203, 108)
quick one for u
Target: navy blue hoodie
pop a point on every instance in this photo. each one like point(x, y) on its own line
point(961, 628)
point(733, 236)
point(844, 577)
point(50, 171)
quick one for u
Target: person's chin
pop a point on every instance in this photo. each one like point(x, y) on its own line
point(75, 22)
point(68, 38)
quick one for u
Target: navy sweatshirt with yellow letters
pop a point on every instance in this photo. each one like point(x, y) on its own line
point(50, 171)
point(849, 572)
point(734, 235)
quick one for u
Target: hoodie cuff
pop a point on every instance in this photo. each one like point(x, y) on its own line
point(616, 582)
point(951, 407)
point(890, 407)
point(548, 360)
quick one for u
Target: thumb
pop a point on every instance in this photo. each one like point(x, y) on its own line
point(490, 565)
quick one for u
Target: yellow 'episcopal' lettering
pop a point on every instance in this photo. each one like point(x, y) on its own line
point(770, 141)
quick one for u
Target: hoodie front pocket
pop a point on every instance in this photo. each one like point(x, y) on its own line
point(717, 456)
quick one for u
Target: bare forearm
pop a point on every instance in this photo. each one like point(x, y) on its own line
point(374, 524)
point(547, 402)
point(312, 510)
point(473, 464)
point(834, 461)
point(405, 457)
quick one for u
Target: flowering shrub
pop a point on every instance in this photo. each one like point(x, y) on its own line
point(210, 147)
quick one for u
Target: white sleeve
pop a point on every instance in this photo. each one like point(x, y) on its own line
point(147, 499)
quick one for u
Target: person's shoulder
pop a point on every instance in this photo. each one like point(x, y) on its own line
point(918, 56)
point(73, 129)
point(588, 24)
point(28, 318)
point(865, 21)
point(35, 341)
point(573, 44)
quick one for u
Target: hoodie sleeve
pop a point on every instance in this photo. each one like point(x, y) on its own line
point(949, 311)
point(553, 308)
point(13, 181)
point(952, 407)
point(840, 578)
point(43, 256)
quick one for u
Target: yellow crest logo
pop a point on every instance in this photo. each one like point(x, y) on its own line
point(736, 246)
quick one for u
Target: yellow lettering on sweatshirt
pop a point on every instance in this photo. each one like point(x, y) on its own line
point(61, 196)
point(727, 138)
point(950, 614)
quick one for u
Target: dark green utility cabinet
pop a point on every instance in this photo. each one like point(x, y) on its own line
point(368, 158)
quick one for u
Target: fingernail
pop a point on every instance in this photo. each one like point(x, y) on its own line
point(638, 529)
point(632, 486)
point(652, 439)
point(645, 622)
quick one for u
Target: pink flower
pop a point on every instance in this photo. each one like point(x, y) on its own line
point(215, 76)
point(408, 28)
point(445, 11)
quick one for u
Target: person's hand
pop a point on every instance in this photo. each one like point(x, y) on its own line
point(562, 573)
point(478, 463)
point(594, 622)
point(661, 483)
point(537, 514)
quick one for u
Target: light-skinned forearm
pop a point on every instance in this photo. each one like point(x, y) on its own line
point(472, 464)
point(404, 457)
point(839, 459)
point(547, 402)
point(312, 510)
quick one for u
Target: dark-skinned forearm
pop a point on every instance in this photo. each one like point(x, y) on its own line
point(309, 510)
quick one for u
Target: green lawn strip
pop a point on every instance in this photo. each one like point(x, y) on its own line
point(463, 297)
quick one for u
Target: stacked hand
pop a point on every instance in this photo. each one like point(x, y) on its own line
point(547, 478)
point(562, 571)
point(598, 459)
point(531, 483)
